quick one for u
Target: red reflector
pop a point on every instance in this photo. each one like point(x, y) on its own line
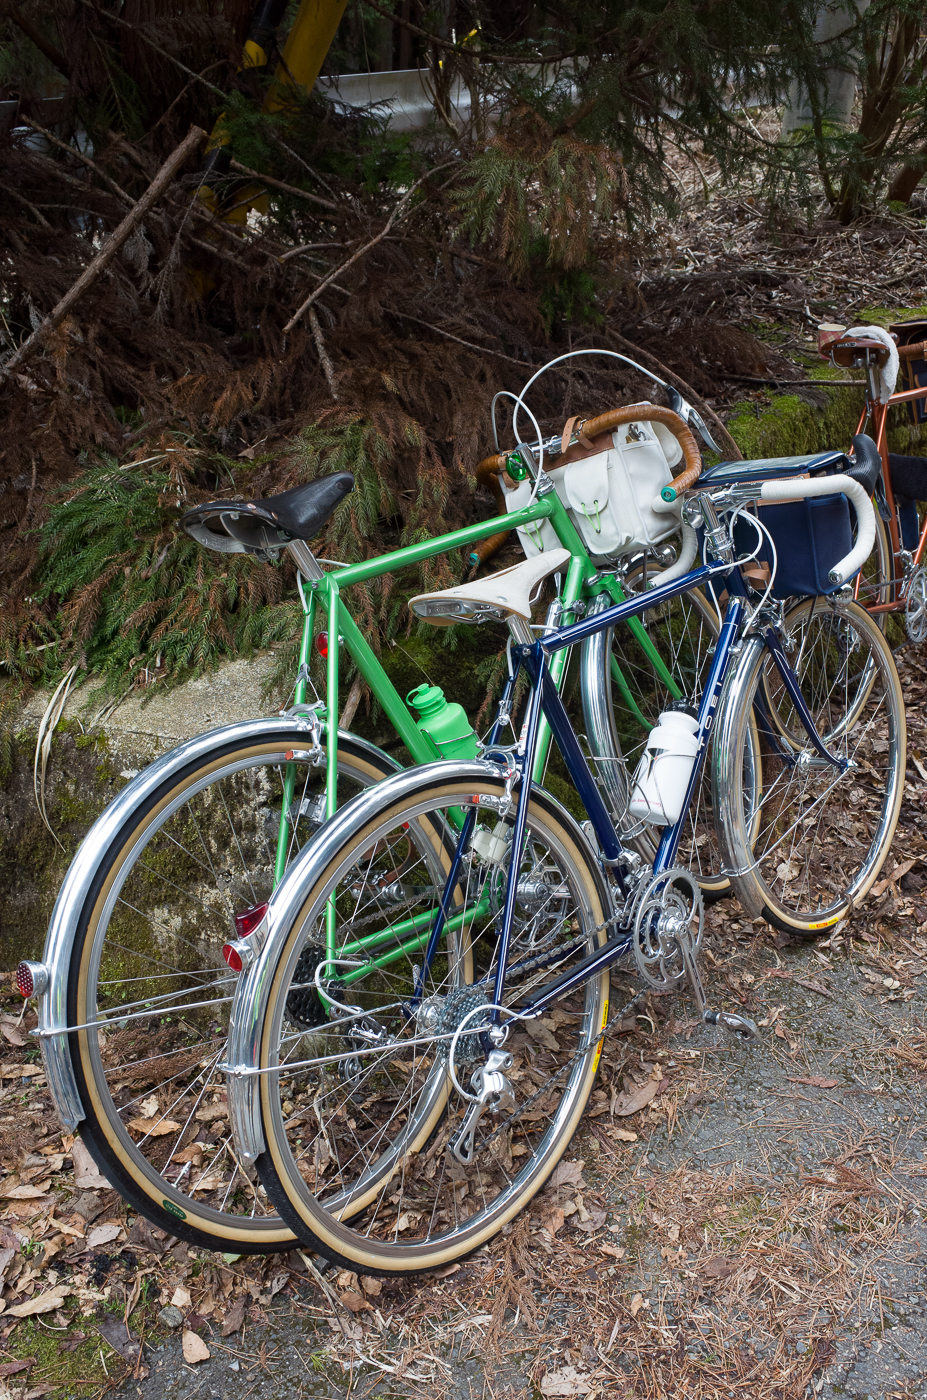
point(247, 921)
point(232, 957)
point(321, 643)
point(25, 984)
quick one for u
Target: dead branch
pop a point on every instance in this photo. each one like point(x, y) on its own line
point(288, 189)
point(480, 349)
point(111, 247)
point(399, 209)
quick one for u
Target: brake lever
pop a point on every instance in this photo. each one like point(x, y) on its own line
point(689, 415)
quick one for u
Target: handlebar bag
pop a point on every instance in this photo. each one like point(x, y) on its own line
point(811, 536)
point(608, 494)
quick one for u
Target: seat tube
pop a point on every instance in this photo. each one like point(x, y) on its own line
point(289, 772)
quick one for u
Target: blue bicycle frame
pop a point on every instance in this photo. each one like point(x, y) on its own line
point(545, 700)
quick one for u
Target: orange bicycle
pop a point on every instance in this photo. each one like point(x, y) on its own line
point(895, 579)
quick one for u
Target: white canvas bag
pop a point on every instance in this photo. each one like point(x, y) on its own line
point(609, 495)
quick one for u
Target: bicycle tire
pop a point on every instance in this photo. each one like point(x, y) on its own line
point(810, 858)
point(684, 631)
point(394, 1197)
point(152, 925)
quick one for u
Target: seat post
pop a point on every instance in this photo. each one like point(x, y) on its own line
point(305, 560)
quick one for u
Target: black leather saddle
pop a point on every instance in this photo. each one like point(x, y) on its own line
point(259, 527)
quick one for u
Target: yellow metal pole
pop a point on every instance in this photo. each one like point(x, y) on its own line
point(304, 53)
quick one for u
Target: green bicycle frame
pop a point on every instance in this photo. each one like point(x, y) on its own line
point(582, 579)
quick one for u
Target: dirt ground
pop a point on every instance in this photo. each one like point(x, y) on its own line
point(728, 1221)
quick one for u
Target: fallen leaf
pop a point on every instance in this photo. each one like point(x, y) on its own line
point(373, 1287)
point(615, 1250)
point(86, 1172)
point(542, 1034)
point(211, 1111)
point(896, 875)
point(567, 1174)
point(195, 1349)
point(10, 1368)
point(566, 1381)
point(634, 1099)
point(718, 1268)
point(233, 1318)
point(154, 1127)
point(623, 1135)
point(181, 1298)
point(23, 1193)
point(103, 1234)
point(13, 1034)
point(114, 1330)
point(193, 1154)
point(42, 1302)
point(637, 1302)
point(816, 1081)
point(354, 1301)
point(148, 1108)
point(815, 986)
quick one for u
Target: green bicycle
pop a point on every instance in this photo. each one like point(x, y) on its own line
point(135, 993)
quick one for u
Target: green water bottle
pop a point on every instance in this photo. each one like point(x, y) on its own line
point(444, 725)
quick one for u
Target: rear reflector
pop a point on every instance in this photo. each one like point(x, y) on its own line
point(31, 979)
point(247, 921)
point(233, 957)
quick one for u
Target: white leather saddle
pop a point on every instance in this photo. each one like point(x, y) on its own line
point(493, 598)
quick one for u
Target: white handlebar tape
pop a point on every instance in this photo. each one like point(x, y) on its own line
point(791, 489)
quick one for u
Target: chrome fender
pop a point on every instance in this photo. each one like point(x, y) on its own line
point(52, 1029)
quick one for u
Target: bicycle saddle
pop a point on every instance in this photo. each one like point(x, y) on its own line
point(847, 348)
point(254, 527)
point(493, 598)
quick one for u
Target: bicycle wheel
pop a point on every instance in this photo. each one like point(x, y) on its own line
point(149, 987)
point(363, 1110)
point(623, 697)
point(812, 847)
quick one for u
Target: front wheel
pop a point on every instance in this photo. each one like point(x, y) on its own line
point(364, 1102)
point(807, 850)
point(151, 993)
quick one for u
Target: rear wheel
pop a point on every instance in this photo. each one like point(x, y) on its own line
point(149, 986)
point(365, 1103)
point(813, 845)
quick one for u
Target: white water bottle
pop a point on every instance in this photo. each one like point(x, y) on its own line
point(658, 788)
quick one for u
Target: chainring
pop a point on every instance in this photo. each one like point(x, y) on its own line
point(916, 606)
point(668, 910)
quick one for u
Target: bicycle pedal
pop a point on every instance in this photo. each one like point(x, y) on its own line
point(740, 1026)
